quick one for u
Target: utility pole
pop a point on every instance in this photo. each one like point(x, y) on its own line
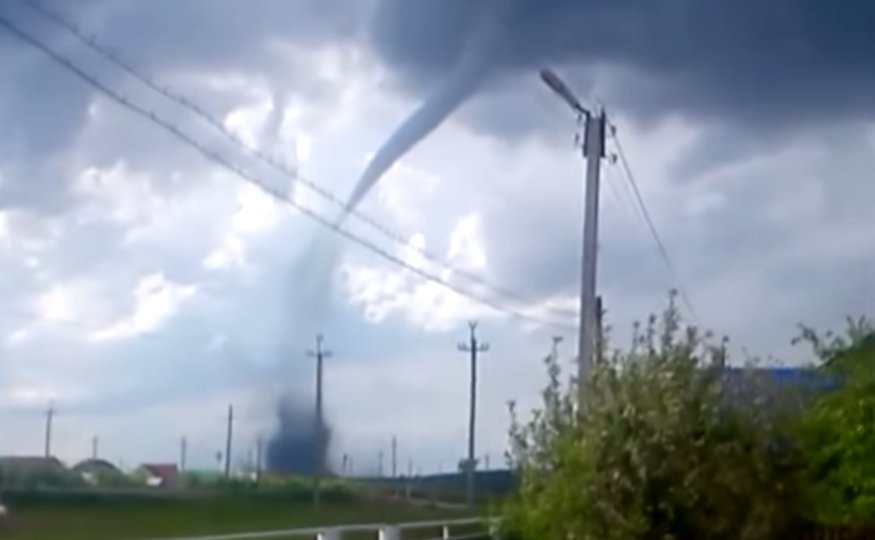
point(183, 451)
point(94, 444)
point(319, 459)
point(474, 348)
point(600, 330)
point(228, 441)
point(394, 457)
point(259, 451)
point(593, 151)
point(50, 414)
point(554, 352)
point(380, 464)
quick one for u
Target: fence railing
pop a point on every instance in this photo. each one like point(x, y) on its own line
point(383, 531)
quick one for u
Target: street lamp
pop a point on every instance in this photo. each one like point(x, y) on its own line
point(593, 151)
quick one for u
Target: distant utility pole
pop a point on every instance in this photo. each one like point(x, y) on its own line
point(394, 457)
point(183, 451)
point(50, 414)
point(593, 151)
point(259, 452)
point(230, 433)
point(554, 352)
point(599, 330)
point(319, 459)
point(380, 464)
point(94, 445)
point(474, 348)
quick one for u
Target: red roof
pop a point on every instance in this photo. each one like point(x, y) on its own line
point(167, 472)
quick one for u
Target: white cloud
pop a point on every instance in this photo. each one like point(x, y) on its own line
point(156, 299)
point(381, 290)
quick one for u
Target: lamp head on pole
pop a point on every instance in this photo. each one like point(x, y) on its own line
point(555, 83)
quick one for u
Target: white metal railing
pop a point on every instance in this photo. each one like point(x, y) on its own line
point(384, 531)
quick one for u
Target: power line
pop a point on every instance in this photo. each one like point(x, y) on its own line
point(252, 179)
point(663, 252)
point(294, 175)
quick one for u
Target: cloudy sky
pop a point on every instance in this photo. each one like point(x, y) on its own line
point(145, 287)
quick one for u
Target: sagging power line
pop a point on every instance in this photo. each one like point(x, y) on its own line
point(651, 227)
point(246, 176)
point(272, 163)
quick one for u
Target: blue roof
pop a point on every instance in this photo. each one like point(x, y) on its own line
point(801, 378)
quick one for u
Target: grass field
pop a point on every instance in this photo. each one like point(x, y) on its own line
point(137, 518)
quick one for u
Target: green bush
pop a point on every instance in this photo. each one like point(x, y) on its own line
point(838, 430)
point(657, 450)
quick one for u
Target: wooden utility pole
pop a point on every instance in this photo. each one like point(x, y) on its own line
point(474, 348)
point(319, 459)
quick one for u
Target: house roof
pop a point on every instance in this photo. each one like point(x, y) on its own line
point(96, 465)
point(164, 471)
point(805, 377)
point(30, 463)
point(776, 384)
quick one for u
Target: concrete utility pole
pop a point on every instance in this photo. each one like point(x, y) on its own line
point(94, 445)
point(50, 414)
point(183, 453)
point(228, 441)
point(474, 348)
point(593, 151)
point(599, 330)
point(319, 459)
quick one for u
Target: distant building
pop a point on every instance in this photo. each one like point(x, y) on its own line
point(29, 465)
point(97, 471)
point(159, 475)
point(34, 471)
point(776, 384)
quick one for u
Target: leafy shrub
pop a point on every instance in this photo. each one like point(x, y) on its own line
point(656, 450)
point(838, 431)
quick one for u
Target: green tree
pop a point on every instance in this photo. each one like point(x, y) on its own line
point(838, 431)
point(656, 450)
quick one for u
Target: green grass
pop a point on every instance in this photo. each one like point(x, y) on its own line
point(137, 518)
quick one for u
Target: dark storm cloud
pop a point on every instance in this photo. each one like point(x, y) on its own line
point(46, 108)
point(770, 62)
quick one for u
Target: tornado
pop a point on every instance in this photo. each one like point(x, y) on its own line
point(469, 71)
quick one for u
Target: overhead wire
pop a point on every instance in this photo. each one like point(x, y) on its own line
point(252, 179)
point(277, 166)
point(654, 233)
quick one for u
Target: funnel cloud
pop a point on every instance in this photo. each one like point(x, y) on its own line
point(469, 71)
point(294, 446)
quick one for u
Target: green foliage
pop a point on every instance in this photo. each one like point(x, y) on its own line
point(838, 431)
point(657, 450)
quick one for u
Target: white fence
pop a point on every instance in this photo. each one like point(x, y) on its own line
point(382, 530)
